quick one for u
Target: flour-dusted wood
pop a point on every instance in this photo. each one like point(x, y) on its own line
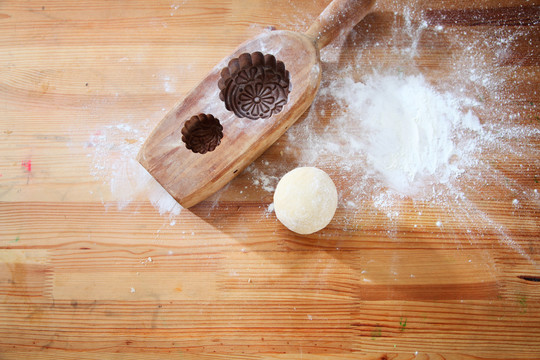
point(91, 270)
point(191, 177)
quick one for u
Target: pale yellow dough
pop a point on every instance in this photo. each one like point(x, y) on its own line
point(305, 200)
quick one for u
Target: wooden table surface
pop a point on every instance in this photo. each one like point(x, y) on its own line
point(97, 262)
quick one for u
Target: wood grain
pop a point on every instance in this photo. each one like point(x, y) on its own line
point(90, 269)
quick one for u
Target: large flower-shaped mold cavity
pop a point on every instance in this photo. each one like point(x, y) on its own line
point(254, 86)
point(202, 133)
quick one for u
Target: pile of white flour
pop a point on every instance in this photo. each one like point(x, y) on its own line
point(410, 135)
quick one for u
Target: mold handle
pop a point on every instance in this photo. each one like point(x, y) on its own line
point(339, 16)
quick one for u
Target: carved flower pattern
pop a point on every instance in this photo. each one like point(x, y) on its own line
point(260, 98)
point(202, 133)
point(255, 86)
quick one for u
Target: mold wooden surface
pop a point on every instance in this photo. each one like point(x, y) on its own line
point(90, 268)
point(191, 178)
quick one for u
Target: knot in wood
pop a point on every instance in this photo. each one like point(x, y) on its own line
point(202, 133)
point(254, 85)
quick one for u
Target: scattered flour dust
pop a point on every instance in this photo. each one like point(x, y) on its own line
point(394, 133)
point(395, 137)
point(392, 136)
point(115, 148)
point(409, 134)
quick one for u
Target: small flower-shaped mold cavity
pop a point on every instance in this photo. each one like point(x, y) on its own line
point(202, 133)
point(254, 86)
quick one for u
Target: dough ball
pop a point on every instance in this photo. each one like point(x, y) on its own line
point(305, 200)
